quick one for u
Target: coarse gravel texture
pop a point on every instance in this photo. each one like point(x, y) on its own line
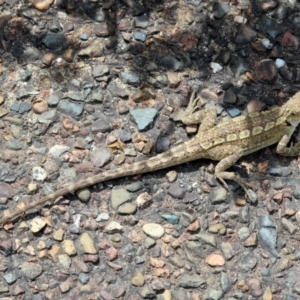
point(87, 86)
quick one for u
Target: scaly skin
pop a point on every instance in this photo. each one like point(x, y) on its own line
point(225, 142)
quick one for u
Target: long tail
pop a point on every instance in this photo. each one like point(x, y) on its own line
point(177, 155)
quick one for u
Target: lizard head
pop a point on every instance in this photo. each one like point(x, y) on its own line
point(291, 110)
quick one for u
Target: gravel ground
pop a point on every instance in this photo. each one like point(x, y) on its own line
point(87, 86)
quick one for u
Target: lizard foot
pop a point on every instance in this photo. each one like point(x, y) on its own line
point(252, 196)
point(244, 185)
point(192, 107)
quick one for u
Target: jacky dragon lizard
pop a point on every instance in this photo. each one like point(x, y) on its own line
point(225, 142)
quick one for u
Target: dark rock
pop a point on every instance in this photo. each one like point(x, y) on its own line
point(54, 41)
point(245, 34)
point(266, 71)
point(229, 96)
point(162, 144)
point(272, 28)
point(171, 63)
point(286, 73)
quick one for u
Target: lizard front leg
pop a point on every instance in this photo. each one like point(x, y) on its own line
point(192, 115)
point(282, 148)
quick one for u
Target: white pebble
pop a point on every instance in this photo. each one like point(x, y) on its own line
point(240, 19)
point(267, 44)
point(38, 173)
point(77, 220)
point(102, 217)
point(279, 63)
point(216, 67)
point(154, 230)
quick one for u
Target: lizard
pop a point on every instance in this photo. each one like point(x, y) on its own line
point(225, 142)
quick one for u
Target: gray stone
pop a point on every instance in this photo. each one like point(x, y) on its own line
point(146, 292)
point(267, 238)
point(275, 171)
point(247, 263)
point(83, 278)
point(10, 278)
point(6, 191)
point(96, 96)
point(191, 281)
point(74, 95)
point(118, 197)
point(116, 90)
point(173, 219)
point(288, 226)
point(84, 37)
point(101, 125)
point(70, 108)
point(130, 77)
point(135, 186)
point(47, 117)
point(31, 54)
point(265, 221)
point(58, 150)
point(14, 145)
point(225, 282)
point(218, 195)
point(244, 233)
point(25, 76)
point(127, 209)
point(21, 107)
point(234, 112)
point(143, 117)
point(100, 70)
point(101, 156)
point(149, 242)
point(208, 239)
point(176, 191)
point(227, 250)
point(140, 36)
point(31, 270)
point(53, 99)
point(141, 21)
point(213, 294)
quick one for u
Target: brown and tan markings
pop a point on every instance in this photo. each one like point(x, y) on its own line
point(225, 142)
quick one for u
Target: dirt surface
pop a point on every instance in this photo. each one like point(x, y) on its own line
point(90, 85)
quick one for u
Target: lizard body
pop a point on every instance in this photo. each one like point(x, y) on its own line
point(225, 142)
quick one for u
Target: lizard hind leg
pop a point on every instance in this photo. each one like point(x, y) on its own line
point(220, 171)
point(234, 177)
